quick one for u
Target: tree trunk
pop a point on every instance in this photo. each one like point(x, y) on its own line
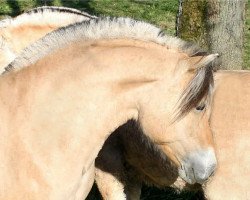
point(217, 26)
point(191, 22)
point(226, 31)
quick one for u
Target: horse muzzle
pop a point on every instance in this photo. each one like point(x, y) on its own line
point(198, 166)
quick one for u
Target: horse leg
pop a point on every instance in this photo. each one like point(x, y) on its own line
point(110, 171)
point(86, 184)
point(133, 191)
point(110, 187)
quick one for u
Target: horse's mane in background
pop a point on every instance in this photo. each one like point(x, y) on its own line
point(118, 28)
point(50, 15)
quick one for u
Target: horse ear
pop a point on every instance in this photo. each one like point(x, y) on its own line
point(197, 62)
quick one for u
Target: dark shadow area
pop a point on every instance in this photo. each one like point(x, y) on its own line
point(82, 5)
point(94, 194)
point(15, 8)
point(44, 2)
point(111, 159)
point(152, 193)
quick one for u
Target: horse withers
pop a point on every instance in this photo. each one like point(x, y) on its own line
point(51, 125)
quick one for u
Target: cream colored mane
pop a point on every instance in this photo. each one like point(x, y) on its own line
point(101, 28)
point(49, 15)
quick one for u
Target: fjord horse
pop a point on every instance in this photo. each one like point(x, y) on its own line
point(152, 168)
point(41, 16)
point(148, 164)
point(65, 94)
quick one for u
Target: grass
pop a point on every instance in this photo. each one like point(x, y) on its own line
point(158, 12)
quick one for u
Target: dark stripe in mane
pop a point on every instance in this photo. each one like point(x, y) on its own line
point(60, 10)
point(196, 50)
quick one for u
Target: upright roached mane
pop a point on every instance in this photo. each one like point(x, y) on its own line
point(118, 28)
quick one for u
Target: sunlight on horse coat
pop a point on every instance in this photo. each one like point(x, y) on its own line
point(231, 127)
point(160, 174)
point(52, 125)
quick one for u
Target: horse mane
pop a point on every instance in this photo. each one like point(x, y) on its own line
point(117, 28)
point(49, 15)
point(199, 88)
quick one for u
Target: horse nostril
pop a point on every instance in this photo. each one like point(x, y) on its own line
point(199, 166)
point(194, 174)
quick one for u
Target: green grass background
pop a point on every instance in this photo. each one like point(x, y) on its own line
point(158, 12)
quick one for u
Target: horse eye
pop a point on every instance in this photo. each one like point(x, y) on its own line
point(200, 107)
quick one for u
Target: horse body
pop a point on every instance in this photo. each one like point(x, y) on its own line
point(55, 153)
point(231, 128)
point(155, 168)
point(82, 179)
point(61, 105)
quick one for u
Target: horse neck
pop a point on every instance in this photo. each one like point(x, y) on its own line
point(109, 81)
point(237, 106)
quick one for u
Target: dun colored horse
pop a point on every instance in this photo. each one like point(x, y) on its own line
point(122, 147)
point(64, 95)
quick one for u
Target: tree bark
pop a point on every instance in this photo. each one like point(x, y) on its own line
point(191, 22)
point(217, 26)
point(226, 31)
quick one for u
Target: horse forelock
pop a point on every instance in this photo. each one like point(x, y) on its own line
point(94, 29)
point(199, 88)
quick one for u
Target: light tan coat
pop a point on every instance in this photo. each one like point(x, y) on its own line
point(231, 87)
point(230, 122)
point(58, 111)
